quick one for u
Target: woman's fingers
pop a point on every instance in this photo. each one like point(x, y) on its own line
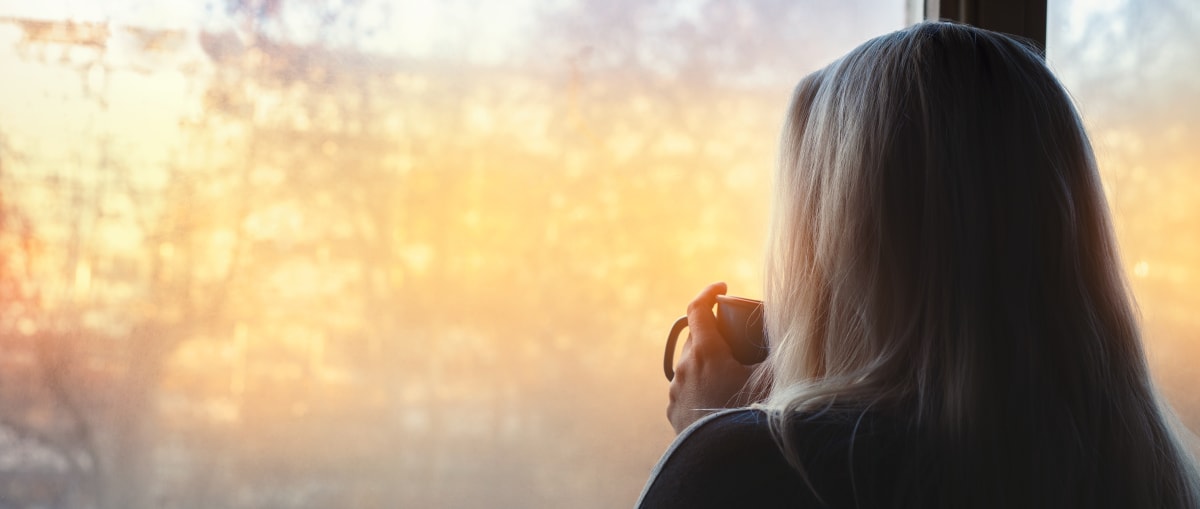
point(707, 376)
point(702, 324)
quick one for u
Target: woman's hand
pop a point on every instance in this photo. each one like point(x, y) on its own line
point(707, 377)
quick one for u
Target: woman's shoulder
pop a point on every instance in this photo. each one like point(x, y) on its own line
point(727, 459)
point(732, 458)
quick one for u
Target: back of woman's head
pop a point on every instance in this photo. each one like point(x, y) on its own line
point(941, 247)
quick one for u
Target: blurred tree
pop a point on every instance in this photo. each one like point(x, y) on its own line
point(416, 280)
point(1132, 68)
point(46, 394)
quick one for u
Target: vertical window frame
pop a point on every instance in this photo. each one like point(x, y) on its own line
point(1022, 18)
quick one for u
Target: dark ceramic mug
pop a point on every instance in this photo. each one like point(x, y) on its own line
point(740, 322)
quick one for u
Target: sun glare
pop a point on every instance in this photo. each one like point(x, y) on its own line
point(364, 254)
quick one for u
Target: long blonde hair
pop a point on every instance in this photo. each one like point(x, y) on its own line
point(941, 249)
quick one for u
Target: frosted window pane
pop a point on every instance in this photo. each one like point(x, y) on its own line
point(1134, 69)
point(394, 254)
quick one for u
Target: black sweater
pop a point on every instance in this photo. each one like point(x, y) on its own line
point(730, 459)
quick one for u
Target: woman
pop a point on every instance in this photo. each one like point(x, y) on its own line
point(948, 320)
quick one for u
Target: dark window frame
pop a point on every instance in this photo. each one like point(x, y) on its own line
point(1023, 18)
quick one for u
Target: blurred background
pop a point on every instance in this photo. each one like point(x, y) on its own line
point(362, 253)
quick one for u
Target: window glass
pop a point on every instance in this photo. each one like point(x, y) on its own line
point(378, 254)
point(1134, 70)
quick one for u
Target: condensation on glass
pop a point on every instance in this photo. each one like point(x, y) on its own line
point(1133, 68)
point(390, 254)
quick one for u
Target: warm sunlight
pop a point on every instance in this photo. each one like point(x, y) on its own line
point(424, 254)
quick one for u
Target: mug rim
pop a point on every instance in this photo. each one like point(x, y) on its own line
point(733, 299)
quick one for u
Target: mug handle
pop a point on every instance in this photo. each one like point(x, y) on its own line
point(669, 355)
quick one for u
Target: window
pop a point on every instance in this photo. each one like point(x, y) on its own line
point(374, 254)
point(1133, 68)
